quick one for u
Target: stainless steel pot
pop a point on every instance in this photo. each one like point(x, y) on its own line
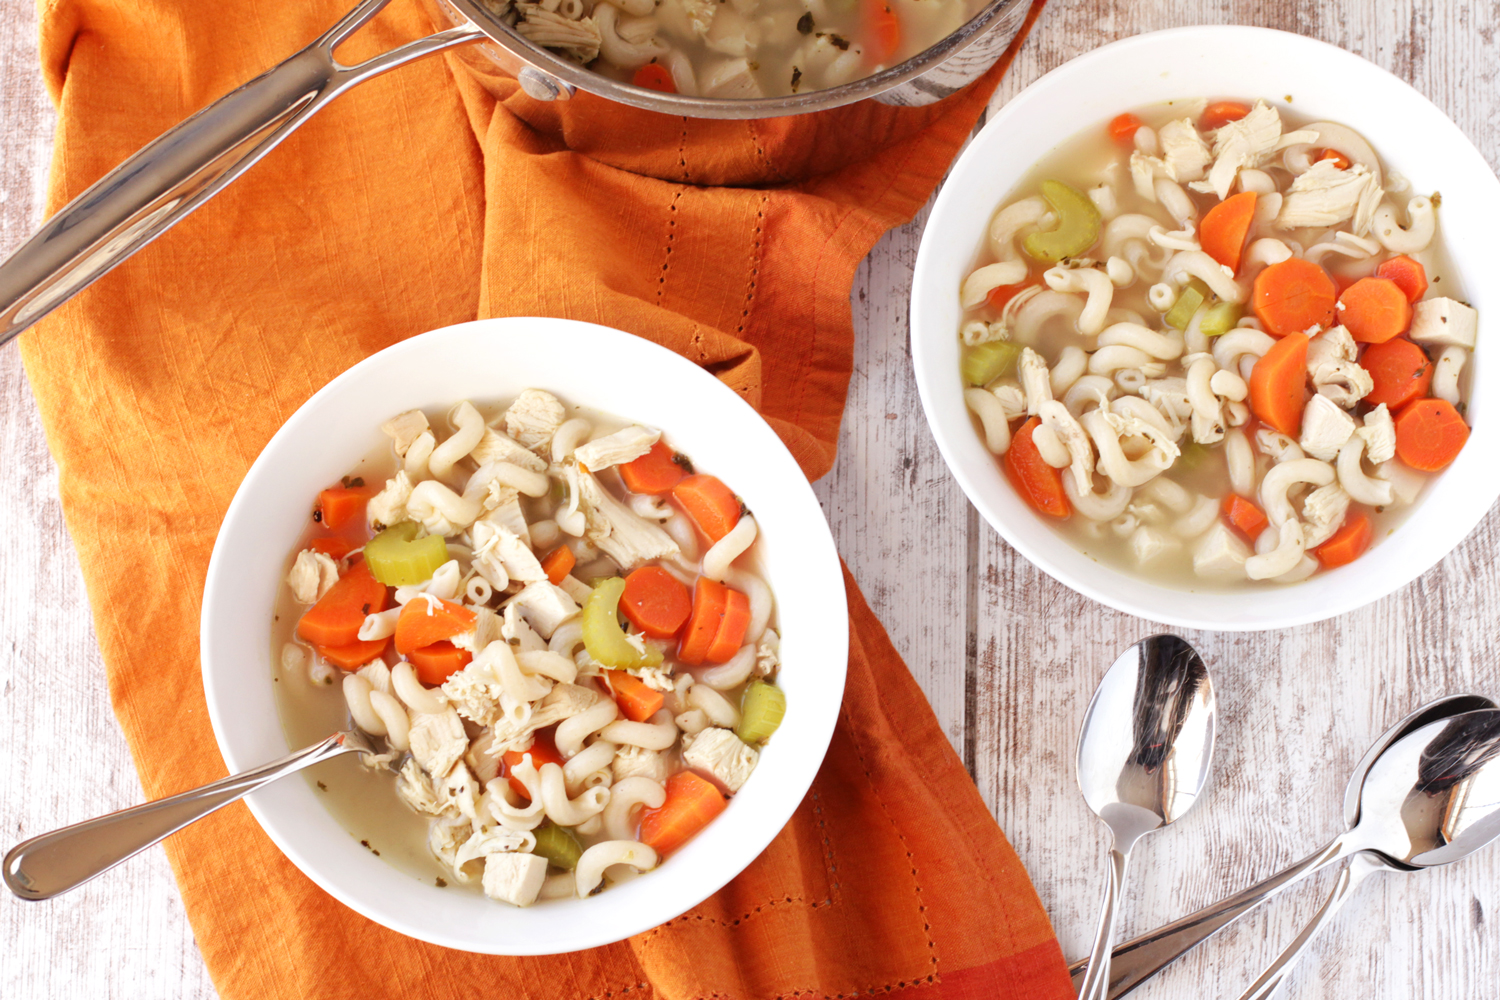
point(151, 191)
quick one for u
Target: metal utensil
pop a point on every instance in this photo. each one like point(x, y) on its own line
point(1143, 957)
point(1451, 810)
point(64, 859)
point(168, 178)
point(1143, 757)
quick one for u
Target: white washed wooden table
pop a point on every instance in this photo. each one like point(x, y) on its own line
point(1007, 657)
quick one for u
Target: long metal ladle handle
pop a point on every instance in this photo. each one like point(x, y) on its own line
point(151, 191)
point(1137, 960)
point(1360, 868)
point(55, 862)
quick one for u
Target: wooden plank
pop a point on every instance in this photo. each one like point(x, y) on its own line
point(125, 934)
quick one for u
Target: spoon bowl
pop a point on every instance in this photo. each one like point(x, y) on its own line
point(1143, 759)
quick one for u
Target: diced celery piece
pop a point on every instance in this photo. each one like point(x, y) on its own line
point(1192, 457)
point(1188, 302)
point(557, 845)
point(1077, 224)
point(1220, 318)
point(983, 363)
point(398, 558)
point(602, 635)
point(761, 710)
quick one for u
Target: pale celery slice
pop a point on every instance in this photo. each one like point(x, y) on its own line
point(1220, 319)
point(1077, 226)
point(397, 558)
point(557, 845)
point(984, 363)
point(602, 635)
point(761, 711)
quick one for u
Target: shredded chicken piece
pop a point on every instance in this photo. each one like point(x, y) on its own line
point(404, 428)
point(388, 507)
point(534, 417)
point(1326, 196)
point(575, 39)
point(312, 575)
point(619, 532)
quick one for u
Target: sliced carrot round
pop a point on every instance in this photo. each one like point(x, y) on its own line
point(335, 620)
point(1038, 483)
point(1122, 128)
point(1347, 544)
point(558, 564)
point(692, 803)
point(1221, 113)
point(1374, 310)
point(355, 655)
point(712, 506)
point(1278, 384)
point(439, 661)
point(340, 505)
point(1409, 275)
point(1244, 516)
point(427, 620)
point(732, 628)
point(656, 602)
point(1225, 227)
point(654, 473)
point(1293, 296)
point(637, 701)
point(710, 598)
point(1401, 370)
point(1430, 434)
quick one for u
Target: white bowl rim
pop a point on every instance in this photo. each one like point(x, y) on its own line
point(1466, 489)
point(817, 562)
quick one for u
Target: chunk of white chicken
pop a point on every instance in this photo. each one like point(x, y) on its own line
point(1325, 428)
point(1220, 554)
point(415, 789)
point(313, 573)
point(544, 606)
point(1334, 369)
point(1183, 150)
point(475, 693)
point(723, 755)
point(1379, 433)
point(518, 632)
point(1151, 545)
point(534, 417)
point(1444, 322)
point(700, 15)
point(500, 555)
point(404, 428)
point(437, 740)
point(388, 507)
point(1328, 196)
point(444, 839)
point(1248, 142)
point(563, 702)
point(496, 447)
point(485, 631)
point(579, 38)
point(619, 532)
point(514, 878)
point(616, 449)
point(1036, 381)
point(638, 762)
point(1323, 513)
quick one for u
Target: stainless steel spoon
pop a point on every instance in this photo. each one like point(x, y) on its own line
point(55, 862)
point(1141, 958)
point(1143, 757)
point(1451, 810)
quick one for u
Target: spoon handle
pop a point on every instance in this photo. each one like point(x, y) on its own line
point(1139, 959)
point(1358, 869)
point(1096, 979)
point(55, 862)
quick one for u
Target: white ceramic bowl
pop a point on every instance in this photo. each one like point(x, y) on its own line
point(490, 360)
point(1410, 135)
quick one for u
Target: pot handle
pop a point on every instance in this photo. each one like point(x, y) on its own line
point(151, 191)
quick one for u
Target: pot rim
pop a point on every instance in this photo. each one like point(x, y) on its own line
point(528, 54)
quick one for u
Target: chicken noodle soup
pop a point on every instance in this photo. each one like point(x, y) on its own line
point(1213, 345)
point(736, 48)
point(555, 624)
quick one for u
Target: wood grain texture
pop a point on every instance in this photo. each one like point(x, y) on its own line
point(1007, 657)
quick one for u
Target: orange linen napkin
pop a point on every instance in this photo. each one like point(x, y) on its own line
point(421, 200)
